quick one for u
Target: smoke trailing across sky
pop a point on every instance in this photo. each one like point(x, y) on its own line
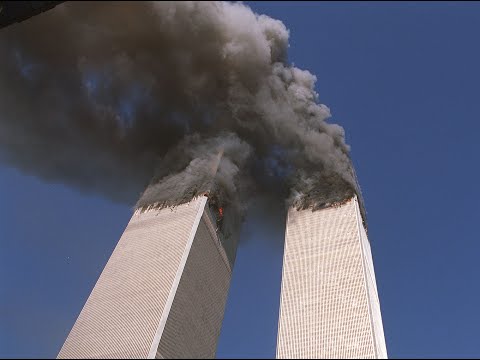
point(107, 96)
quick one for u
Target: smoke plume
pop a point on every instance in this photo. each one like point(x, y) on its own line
point(107, 96)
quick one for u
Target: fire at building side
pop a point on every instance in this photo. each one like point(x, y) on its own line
point(162, 294)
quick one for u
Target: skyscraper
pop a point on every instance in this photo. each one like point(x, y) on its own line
point(329, 301)
point(162, 293)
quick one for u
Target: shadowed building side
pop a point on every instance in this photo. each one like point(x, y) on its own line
point(329, 301)
point(163, 291)
point(203, 292)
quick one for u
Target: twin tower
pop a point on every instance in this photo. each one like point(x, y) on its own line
point(163, 291)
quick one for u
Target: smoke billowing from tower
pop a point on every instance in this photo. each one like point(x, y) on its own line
point(106, 96)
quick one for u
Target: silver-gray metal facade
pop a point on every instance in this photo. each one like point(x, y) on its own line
point(162, 293)
point(329, 300)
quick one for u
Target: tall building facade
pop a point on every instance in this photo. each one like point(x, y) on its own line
point(163, 291)
point(329, 301)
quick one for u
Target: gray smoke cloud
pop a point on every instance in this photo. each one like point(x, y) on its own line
point(107, 96)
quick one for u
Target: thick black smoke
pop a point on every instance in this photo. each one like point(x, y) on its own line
point(107, 96)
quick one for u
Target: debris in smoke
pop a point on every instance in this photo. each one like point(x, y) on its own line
point(213, 169)
point(317, 193)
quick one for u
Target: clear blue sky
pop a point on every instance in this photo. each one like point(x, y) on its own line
point(404, 81)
